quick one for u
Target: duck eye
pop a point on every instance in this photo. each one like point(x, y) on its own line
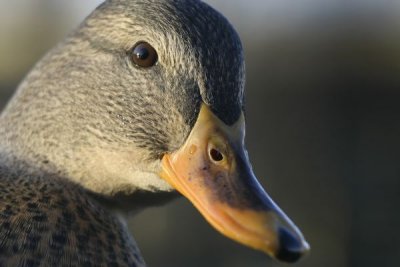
point(144, 55)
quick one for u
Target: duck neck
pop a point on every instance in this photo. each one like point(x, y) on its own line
point(116, 175)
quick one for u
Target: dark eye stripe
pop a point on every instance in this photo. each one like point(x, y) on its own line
point(144, 55)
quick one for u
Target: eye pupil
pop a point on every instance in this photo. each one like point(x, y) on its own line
point(144, 55)
point(141, 53)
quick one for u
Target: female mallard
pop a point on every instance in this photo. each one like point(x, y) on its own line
point(145, 98)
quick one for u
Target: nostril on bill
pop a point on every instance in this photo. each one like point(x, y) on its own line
point(215, 155)
point(290, 248)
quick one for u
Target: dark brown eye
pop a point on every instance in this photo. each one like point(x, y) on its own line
point(144, 55)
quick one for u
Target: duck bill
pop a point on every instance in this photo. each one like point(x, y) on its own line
point(213, 171)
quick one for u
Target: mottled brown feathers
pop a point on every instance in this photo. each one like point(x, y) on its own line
point(48, 221)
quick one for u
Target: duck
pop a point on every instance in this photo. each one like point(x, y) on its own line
point(141, 104)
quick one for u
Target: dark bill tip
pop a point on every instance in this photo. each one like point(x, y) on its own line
point(291, 249)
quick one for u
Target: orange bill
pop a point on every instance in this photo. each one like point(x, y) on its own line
point(213, 171)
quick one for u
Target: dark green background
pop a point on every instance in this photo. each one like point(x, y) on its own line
point(323, 126)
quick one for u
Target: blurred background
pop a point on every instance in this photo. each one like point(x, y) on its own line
point(323, 125)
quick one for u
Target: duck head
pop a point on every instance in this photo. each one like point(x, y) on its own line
point(147, 96)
